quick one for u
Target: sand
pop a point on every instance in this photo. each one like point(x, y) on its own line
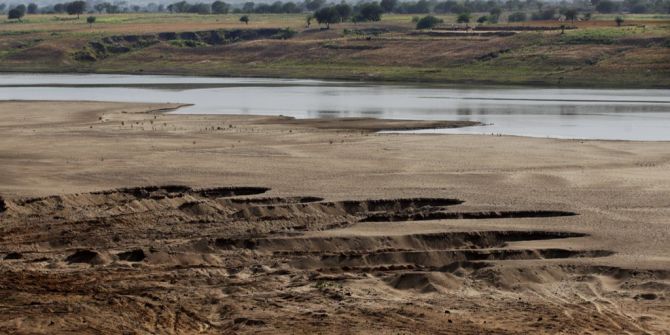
point(121, 218)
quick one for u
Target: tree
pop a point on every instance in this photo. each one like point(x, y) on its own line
point(32, 8)
point(90, 20)
point(428, 22)
point(606, 6)
point(248, 7)
point(75, 7)
point(101, 7)
point(495, 14)
point(343, 11)
point(547, 14)
point(463, 18)
point(388, 5)
point(314, 4)
point(15, 14)
point(245, 19)
point(327, 16)
point(618, 20)
point(570, 14)
point(370, 11)
point(59, 8)
point(220, 7)
point(517, 17)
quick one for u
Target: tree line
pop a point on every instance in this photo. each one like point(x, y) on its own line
point(362, 11)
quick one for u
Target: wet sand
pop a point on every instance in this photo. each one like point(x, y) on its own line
point(121, 217)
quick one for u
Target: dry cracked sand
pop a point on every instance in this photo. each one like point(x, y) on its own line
point(122, 218)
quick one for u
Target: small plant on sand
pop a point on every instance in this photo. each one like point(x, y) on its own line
point(618, 20)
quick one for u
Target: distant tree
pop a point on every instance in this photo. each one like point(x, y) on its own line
point(547, 14)
point(90, 20)
point(101, 7)
point(517, 17)
point(32, 8)
point(570, 14)
point(343, 11)
point(639, 8)
point(290, 7)
point(136, 8)
point(248, 7)
point(245, 19)
point(59, 8)
point(388, 5)
point(606, 6)
point(495, 14)
point(463, 18)
point(2, 7)
point(370, 11)
point(22, 9)
point(327, 16)
point(428, 22)
point(15, 14)
point(220, 7)
point(618, 20)
point(314, 4)
point(75, 7)
point(482, 19)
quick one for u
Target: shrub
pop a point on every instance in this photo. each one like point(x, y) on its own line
point(428, 22)
point(517, 17)
point(463, 18)
point(619, 21)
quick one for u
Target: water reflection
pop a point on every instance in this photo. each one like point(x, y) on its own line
point(570, 113)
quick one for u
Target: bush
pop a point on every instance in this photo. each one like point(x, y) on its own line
point(517, 17)
point(482, 19)
point(463, 18)
point(15, 14)
point(245, 19)
point(619, 21)
point(428, 22)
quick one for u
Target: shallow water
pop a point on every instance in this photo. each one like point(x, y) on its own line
point(526, 111)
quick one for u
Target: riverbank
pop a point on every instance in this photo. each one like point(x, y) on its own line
point(281, 226)
point(596, 54)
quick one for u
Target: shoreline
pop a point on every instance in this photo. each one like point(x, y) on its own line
point(425, 82)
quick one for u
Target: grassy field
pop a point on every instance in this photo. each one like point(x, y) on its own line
point(597, 53)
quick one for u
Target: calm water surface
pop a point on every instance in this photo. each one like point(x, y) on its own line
point(564, 113)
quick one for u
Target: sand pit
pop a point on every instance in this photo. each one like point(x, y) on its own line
point(118, 217)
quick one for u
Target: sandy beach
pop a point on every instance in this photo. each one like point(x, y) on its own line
point(123, 218)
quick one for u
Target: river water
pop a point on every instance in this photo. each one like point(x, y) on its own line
point(612, 114)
